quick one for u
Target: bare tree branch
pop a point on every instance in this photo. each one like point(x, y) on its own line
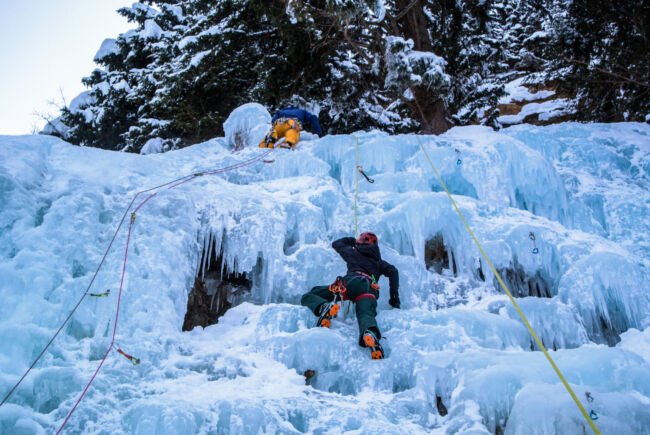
point(406, 10)
point(353, 44)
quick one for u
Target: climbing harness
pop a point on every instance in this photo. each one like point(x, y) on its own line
point(135, 361)
point(370, 180)
point(364, 295)
point(512, 299)
point(459, 161)
point(532, 237)
point(371, 278)
point(99, 295)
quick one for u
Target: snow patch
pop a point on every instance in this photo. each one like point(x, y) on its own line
point(545, 111)
point(109, 46)
point(151, 30)
point(514, 91)
point(80, 101)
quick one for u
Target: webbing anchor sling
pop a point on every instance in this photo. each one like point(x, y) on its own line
point(512, 299)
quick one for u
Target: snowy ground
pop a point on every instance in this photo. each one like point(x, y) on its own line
point(457, 343)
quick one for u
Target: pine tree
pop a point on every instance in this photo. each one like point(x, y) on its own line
point(603, 57)
point(396, 65)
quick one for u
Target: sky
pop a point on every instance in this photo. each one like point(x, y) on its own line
point(46, 48)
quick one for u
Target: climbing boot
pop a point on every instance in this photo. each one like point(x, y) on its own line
point(284, 144)
point(326, 313)
point(371, 341)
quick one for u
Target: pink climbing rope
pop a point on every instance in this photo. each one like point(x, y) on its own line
point(126, 252)
point(117, 313)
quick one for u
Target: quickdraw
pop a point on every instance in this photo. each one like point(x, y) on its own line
point(590, 399)
point(99, 295)
point(268, 161)
point(535, 248)
point(459, 161)
point(339, 289)
point(132, 218)
point(135, 361)
point(370, 180)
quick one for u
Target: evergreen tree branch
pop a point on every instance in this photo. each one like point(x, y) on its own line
point(609, 73)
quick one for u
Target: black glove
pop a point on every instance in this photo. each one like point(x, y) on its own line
point(394, 302)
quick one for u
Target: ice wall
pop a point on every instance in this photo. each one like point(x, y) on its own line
point(459, 358)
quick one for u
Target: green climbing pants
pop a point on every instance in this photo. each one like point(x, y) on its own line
point(365, 307)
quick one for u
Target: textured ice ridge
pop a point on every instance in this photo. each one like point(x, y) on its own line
point(459, 359)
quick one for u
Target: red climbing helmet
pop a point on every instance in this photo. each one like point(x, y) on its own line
point(367, 239)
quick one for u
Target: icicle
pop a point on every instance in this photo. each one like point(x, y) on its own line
point(197, 266)
point(203, 260)
point(210, 241)
point(224, 257)
point(218, 245)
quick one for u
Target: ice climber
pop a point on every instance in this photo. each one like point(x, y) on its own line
point(287, 123)
point(359, 285)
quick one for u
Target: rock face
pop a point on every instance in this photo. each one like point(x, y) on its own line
point(213, 294)
point(436, 255)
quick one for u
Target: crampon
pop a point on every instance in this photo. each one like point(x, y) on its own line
point(331, 310)
point(371, 341)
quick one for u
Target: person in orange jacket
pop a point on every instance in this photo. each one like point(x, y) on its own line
point(287, 123)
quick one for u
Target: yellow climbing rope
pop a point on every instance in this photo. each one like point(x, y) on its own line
point(356, 193)
point(512, 299)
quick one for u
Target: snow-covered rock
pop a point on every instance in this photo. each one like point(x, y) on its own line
point(153, 146)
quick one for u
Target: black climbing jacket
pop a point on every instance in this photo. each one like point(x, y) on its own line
point(367, 259)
